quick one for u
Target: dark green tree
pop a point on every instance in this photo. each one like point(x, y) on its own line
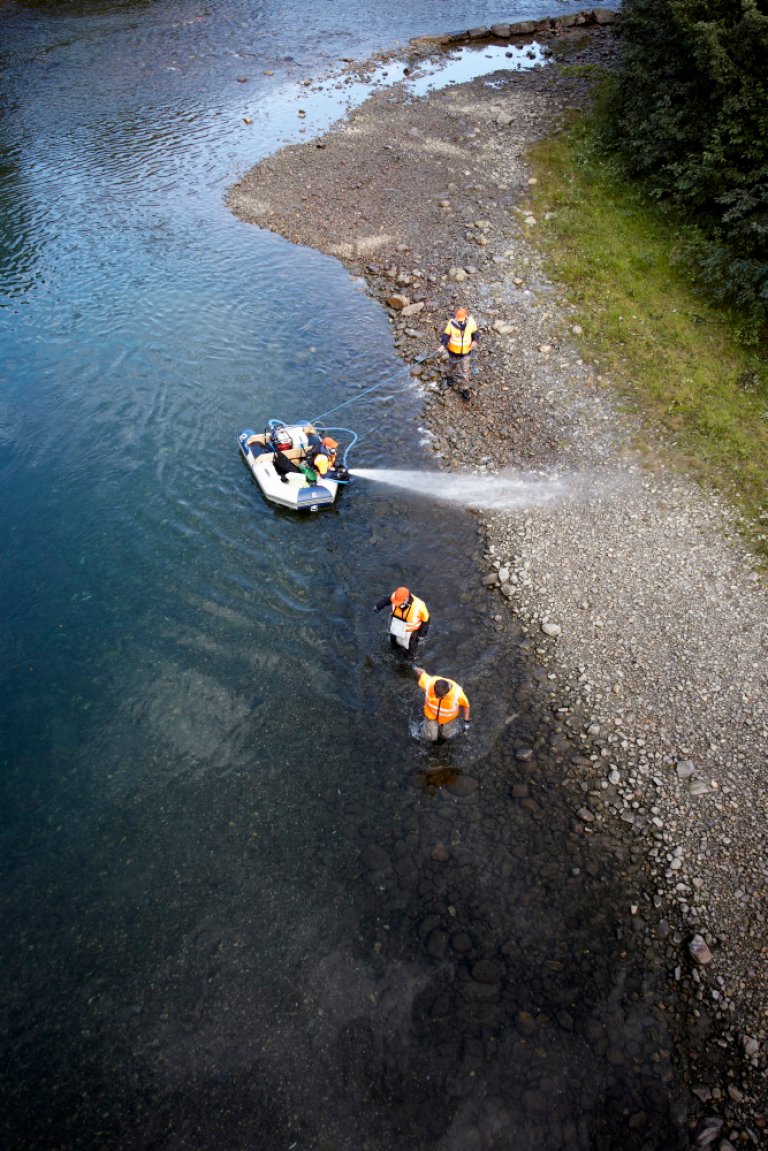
point(690, 119)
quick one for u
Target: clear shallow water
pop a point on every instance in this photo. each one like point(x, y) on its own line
point(241, 906)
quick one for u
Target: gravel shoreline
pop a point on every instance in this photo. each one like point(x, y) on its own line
point(645, 608)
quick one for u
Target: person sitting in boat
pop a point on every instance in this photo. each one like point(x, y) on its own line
point(281, 442)
point(336, 469)
point(322, 457)
point(330, 447)
point(290, 457)
point(283, 465)
point(315, 463)
point(408, 621)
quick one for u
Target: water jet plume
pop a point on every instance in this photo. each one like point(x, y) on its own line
point(506, 490)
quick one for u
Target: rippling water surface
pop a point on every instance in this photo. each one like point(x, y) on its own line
point(241, 906)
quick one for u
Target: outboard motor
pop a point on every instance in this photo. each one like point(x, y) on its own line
point(279, 437)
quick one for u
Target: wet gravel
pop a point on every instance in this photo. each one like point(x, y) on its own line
point(643, 619)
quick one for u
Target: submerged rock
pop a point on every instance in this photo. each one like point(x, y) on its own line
point(699, 950)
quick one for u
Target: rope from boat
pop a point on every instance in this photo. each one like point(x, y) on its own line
point(381, 383)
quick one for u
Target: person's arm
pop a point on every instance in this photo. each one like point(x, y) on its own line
point(423, 627)
point(418, 671)
point(382, 603)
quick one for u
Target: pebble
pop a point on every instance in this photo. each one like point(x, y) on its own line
point(699, 950)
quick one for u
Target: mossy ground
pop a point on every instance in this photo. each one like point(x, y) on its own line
point(673, 357)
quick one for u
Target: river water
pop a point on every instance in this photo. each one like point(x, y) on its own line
point(242, 906)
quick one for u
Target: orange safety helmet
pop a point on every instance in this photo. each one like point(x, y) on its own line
point(329, 443)
point(461, 313)
point(399, 595)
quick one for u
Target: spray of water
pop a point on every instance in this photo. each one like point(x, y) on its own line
point(483, 492)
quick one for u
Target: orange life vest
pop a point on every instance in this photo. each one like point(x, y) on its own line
point(412, 612)
point(446, 708)
point(330, 446)
point(460, 336)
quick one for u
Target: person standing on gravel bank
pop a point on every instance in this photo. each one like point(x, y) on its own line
point(459, 338)
point(444, 701)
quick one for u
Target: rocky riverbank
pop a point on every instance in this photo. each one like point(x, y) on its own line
point(637, 596)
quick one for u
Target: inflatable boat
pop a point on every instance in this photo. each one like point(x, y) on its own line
point(295, 465)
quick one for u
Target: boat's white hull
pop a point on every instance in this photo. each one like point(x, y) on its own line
point(290, 491)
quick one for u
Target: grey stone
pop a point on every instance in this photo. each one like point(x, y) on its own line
point(376, 858)
point(526, 1023)
point(699, 950)
point(437, 944)
point(699, 787)
point(487, 971)
point(706, 1132)
point(464, 786)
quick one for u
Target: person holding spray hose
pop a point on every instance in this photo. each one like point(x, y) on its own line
point(459, 338)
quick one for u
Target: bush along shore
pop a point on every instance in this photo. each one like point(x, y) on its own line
point(637, 595)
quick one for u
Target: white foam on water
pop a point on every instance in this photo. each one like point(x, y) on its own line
point(483, 492)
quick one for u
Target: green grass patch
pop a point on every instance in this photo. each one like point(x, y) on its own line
point(675, 358)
